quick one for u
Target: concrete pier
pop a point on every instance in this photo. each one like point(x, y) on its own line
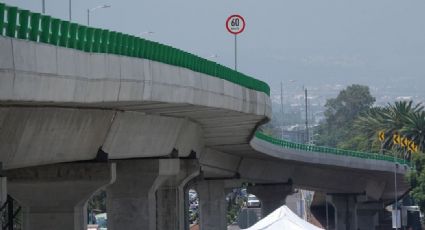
point(212, 205)
point(148, 194)
point(272, 196)
point(55, 196)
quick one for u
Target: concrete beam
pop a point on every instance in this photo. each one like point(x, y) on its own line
point(31, 136)
point(136, 135)
point(216, 164)
point(54, 196)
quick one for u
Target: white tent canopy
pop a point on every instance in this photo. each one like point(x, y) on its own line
point(282, 218)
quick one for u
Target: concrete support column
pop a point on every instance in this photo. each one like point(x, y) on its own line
point(3, 190)
point(54, 196)
point(368, 215)
point(345, 211)
point(272, 196)
point(148, 194)
point(212, 205)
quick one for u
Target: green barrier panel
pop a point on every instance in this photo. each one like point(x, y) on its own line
point(64, 33)
point(119, 41)
point(140, 49)
point(112, 42)
point(35, 26)
point(45, 28)
point(136, 50)
point(2, 9)
point(124, 44)
point(130, 47)
point(89, 39)
point(104, 41)
point(154, 51)
point(54, 39)
point(12, 13)
point(96, 40)
point(81, 37)
point(149, 50)
point(23, 24)
point(73, 31)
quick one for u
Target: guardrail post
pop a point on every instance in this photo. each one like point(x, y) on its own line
point(23, 24)
point(11, 21)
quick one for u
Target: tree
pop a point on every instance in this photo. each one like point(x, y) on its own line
point(401, 117)
point(340, 113)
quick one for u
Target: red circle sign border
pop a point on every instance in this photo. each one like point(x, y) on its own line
point(227, 22)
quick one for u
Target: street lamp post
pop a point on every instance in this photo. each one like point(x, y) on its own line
point(395, 192)
point(93, 9)
point(69, 7)
point(43, 6)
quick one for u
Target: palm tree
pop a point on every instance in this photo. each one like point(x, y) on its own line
point(401, 117)
point(414, 128)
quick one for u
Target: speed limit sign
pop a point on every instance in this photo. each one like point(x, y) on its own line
point(235, 24)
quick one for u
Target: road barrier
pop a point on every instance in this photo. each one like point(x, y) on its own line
point(320, 149)
point(23, 24)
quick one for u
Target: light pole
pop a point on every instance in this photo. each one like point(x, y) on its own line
point(70, 4)
point(43, 6)
point(395, 209)
point(93, 9)
point(281, 105)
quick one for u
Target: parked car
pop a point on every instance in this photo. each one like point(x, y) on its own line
point(253, 201)
point(102, 219)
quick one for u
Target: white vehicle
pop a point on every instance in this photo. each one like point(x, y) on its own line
point(253, 201)
point(102, 219)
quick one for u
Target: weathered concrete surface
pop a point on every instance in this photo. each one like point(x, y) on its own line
point(148, 194)
point(345, 211)
point(56, 195)
point(32, 136)
point(272, 196)
point(63, 92)
point(36, 136)
point(212, 206)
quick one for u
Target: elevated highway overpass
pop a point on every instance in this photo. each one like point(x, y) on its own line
point(83, 109)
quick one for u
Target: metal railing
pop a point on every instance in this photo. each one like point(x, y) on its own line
point(23, 24)
point(9, 215)
point(320, 149)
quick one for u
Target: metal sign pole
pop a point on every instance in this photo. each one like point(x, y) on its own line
point(395, 192)
point(236, 52)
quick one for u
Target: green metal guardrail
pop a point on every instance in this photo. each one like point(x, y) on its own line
point(321, 149)
point(23, 24)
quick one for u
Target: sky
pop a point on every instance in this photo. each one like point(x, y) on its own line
point(311, 43)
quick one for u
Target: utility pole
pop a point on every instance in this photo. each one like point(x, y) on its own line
point(70, 5)
point(43, 6)
point(306, 117)
point(281, 105)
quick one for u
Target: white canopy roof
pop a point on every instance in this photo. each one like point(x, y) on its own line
point(282, 218)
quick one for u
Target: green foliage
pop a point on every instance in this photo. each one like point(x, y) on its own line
point(417, 180)
point(98, 202)
point(340, 114)
point(401, 117)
